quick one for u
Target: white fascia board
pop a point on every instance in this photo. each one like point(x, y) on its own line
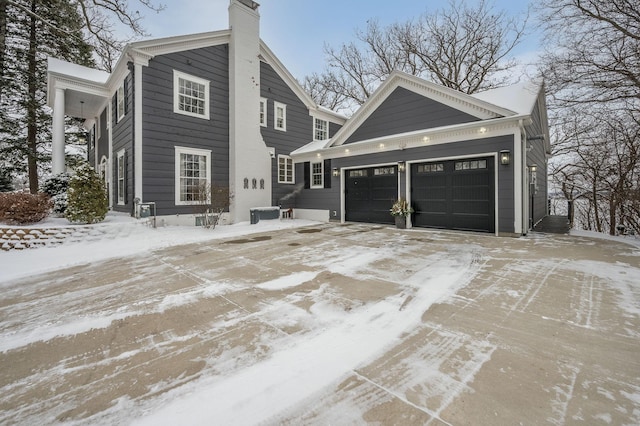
point(419, 138)
point(165, 45)
point(442, 94)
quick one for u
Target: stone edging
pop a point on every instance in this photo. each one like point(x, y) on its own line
point(20, 238)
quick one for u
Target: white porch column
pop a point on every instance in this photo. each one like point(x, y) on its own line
point(57, 146)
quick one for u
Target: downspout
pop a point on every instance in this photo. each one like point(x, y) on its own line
point(524, 193)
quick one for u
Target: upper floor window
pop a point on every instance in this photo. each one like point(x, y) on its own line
point(120, 100)
point(320, 129)
point(285, 169)
point(190, 95)
point(263, 112)
point(280, 116)
point(317, 175)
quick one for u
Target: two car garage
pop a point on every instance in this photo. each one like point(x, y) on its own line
point(452, 194)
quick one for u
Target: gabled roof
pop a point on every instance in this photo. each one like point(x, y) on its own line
point(496, 109)
point(519, 98)
point(450, 97)
point(143, 51)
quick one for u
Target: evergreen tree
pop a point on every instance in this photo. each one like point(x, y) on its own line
point(31, 30)
point(86, 197)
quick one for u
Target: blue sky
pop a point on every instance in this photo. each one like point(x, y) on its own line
point(297, 30)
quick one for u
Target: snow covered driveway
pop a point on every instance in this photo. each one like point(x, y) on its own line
point(328, 324)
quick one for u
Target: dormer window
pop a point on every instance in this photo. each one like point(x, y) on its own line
point(320, 129)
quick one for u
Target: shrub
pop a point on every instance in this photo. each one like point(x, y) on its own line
point(56, 187)
point(87, 199)
point(22, 208)
point(5, 182)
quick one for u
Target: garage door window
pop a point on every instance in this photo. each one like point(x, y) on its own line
point(430, 168)
point(381, 171)
point(471, 165)
point(357, 173)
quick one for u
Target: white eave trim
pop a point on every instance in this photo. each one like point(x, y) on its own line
point(419, 138)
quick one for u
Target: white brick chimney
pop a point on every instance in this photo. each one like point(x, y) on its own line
point(249, 158)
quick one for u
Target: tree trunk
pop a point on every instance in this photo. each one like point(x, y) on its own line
point(596, 216)
point(32, 113)
point(612, 215)
point(3, 40)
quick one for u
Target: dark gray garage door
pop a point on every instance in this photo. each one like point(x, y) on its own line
point(370, 193)
point(456, 194)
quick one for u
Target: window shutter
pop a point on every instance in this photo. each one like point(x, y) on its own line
point(114, 109)
point(327, 173)
point(307, 175)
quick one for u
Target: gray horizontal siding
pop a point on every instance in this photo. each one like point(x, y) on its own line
point(299, 131)
point(163, 130)
point(406, 111)
point(329, 199)
point(123, 139)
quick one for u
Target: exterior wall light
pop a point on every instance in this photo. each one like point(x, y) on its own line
point(401, 166)
point(533, 168)
point(336, 172)
point(505, 157)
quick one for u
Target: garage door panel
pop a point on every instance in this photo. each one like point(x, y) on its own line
point(455, 194)
point(370, 193)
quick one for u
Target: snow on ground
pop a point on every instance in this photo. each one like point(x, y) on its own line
point(305, 333)
point(123, 238)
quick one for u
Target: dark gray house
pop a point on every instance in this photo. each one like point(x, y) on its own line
point(220, 108)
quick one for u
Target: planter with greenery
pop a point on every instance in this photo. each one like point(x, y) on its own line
point(400, 210)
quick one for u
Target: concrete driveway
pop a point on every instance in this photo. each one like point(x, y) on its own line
point(331, 324)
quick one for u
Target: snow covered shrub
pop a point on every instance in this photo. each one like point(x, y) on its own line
point(87, 199)
point(56, 187)
point(20, 208)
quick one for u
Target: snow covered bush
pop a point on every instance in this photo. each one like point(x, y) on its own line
point(87, 199)
point(21, 208)
point(56, 187)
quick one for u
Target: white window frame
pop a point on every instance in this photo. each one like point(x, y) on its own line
point(263, 112)
point(312, 174)
point(120, 177)
point(276, 107)
point(177, 76)
point(325, 130)
point(179, 150)
point(287, 162)
point(120, 103)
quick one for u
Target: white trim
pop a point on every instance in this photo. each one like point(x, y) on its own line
point(177, 76)
point(276, 106)
point(419, 138)
point(110, 158)
point(264, 104)
point(311, 184)
point(195, 151)
point(120, 195)
point(137, 132)
point(293, 169)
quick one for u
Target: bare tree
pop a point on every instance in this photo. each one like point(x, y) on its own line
point(462, 47)
point(594, 50)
